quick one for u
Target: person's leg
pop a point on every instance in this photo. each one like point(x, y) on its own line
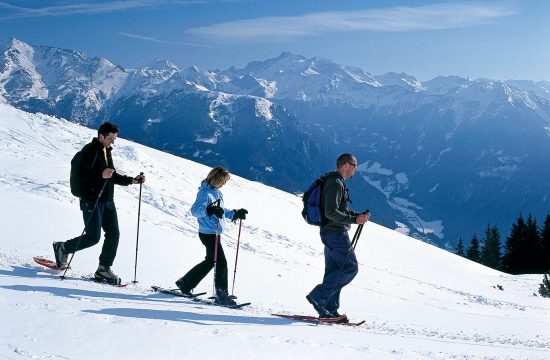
point(92, 220)
point(340, 269)
point(221, 268)
point(112, 235)
point(199, 271)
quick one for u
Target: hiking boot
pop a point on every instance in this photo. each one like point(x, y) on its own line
point(321, 310)
point(185, 290)
point(336, 314)
point(104, 273)
point(60, 255)
point(223, 298)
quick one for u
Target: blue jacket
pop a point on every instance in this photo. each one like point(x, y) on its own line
point(206, 196)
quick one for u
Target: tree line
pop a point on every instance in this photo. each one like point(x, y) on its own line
point(525, 251)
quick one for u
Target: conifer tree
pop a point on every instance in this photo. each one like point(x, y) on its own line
point(473, 252)
point(533, 256)
point(544, 289)
point(460, 247)
point(512, 261)
point(545, 244)
point(490, 253)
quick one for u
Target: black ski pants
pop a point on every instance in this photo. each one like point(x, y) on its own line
point(199, 271)
point(103, 216)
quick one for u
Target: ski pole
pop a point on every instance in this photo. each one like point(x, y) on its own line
point(237, 255)
point(137, 236)
point(358, 232)
point(215, 259)
point(356, 238)
point(85, 225)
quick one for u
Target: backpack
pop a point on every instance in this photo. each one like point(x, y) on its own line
point(313, 211)
point(75, 177)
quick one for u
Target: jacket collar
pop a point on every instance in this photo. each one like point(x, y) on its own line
point(97, 143)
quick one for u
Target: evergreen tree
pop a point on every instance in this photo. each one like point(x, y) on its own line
point(460, 248)
point(490, 253)
point(544, 289)
point(473, 252)
point(512, 261)
point(545, 244)
point(533, 249)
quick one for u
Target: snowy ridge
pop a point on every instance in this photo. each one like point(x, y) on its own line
point(269, 108)
point(52, 74)
point(420, 302)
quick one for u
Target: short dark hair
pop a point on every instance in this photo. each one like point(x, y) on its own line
point(343, 159)
point(106, 128)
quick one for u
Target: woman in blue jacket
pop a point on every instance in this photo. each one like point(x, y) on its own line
point(211, 214)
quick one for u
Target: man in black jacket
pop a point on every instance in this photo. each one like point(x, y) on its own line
point(340, 261)
point(96, 172)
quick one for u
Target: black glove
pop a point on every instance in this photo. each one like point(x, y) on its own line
point(214, 210)
point(239, 214)
point(140, 179)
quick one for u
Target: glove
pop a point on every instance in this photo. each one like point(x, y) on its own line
point(214, 210)
point(239, 214)
point(140, 179)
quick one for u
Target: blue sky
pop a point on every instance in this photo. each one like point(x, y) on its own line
point(492, 39)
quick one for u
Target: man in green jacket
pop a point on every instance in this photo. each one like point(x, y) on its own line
point(340, 261)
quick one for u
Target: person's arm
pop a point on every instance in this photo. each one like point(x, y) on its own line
point(333, 193)
point(123, 180)
point(198, 209)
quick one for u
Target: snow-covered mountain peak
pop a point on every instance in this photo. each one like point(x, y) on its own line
point(19, 79)
point(445, 84)
point(283, 63)
point(19, 46)
point(162, 65)
point(403, 80)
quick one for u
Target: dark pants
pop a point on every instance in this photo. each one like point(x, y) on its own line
point(104, 216)
point(340, 269)
point(199, 271)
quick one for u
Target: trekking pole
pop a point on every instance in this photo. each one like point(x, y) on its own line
point(356, 238)
point(237, 255)
point(215, 259)
point(216, 252)
point(358, 232)
point(137, 236)
point(85, 225)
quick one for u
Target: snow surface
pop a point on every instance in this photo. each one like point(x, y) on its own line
point(419, 301)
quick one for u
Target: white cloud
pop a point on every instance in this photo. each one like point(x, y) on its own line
point(161, 41)
point(90, 7)
point(395, 19)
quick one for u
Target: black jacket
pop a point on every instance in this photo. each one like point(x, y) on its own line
point(92, 166)
point(335, 204)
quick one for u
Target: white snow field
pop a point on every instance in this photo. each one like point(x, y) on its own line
point(419, 302)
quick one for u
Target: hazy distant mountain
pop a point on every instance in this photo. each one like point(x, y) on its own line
point(442, 157)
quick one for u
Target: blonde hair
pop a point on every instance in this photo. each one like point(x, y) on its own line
point(216, 176)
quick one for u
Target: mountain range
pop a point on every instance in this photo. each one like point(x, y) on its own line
point(439, 159)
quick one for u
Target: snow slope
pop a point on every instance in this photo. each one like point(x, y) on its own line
point(420, 302)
